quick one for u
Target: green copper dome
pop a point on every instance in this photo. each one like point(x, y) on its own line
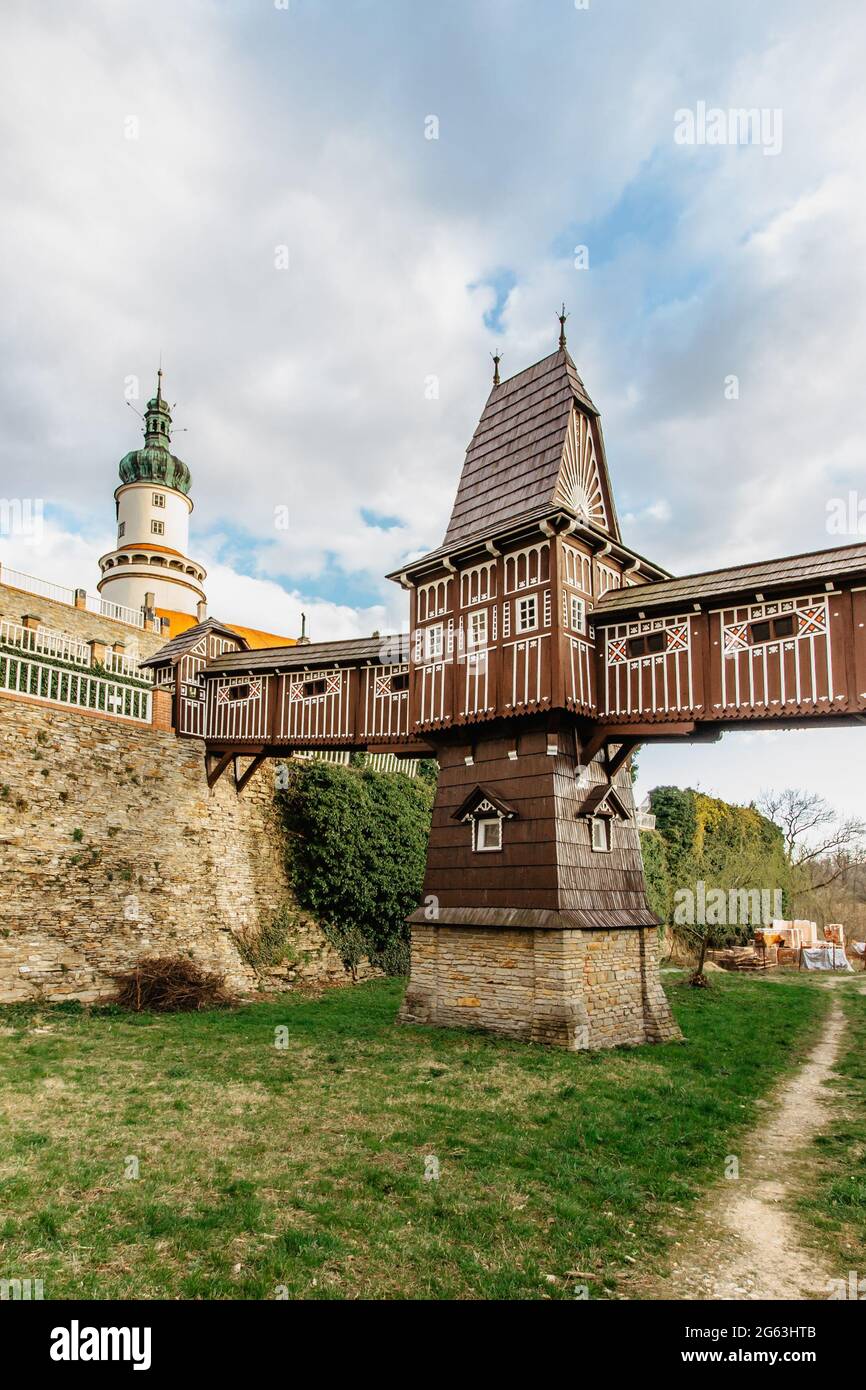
point(155, 463)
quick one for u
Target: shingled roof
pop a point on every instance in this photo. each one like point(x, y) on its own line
point(175, 649)
point(816, 568)
point(514, 461)
point(390, 649)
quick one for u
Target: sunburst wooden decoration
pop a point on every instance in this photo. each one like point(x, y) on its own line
point(579, 484)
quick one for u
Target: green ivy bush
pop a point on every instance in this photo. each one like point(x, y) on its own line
point(357, 849)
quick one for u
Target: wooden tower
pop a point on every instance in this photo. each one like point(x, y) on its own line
point(535, 921)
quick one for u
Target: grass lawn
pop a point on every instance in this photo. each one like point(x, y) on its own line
point(303, 1168)
point(837, 1202)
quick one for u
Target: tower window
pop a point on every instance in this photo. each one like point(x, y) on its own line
point(578, 614)
point(527, 614)
point(157, 528)
point(478, 628)
point(433, 641)
point(158, 499)
point(121, 530)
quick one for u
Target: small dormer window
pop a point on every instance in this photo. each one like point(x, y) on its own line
point(484, 812)
point(600, 827)
point(488, 833)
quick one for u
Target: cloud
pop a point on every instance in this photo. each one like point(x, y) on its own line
point(348, 385)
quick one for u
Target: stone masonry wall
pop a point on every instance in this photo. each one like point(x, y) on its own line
point(113, 847)
point(571, 989)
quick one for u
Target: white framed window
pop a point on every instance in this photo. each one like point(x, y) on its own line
point(433, 641)
point(488, 833)
point(157, 528)
point(121, 529)
point(158, 499)
point(527, 613)
point(600, 828)
point(477, 622)
point(577, 614)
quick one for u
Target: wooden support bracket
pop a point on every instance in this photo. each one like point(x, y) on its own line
point(241, 778)
point(215, 766)
point(616, 760)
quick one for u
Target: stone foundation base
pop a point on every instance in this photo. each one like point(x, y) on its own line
point(574, 989)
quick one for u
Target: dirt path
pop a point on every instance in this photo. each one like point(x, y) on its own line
point(748, 1246)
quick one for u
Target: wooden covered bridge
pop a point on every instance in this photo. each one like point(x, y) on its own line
point(541, 651)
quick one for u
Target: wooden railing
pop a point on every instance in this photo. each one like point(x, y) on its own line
point(76, 689)
point(45, 641)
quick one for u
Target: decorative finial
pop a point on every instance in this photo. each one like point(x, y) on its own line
point(497, 358)
point(303, 625)
point(159, 381)
point(562, 316)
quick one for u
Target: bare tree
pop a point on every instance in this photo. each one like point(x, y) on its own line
point(817, 840)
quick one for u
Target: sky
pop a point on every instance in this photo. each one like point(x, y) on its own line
point(325, 215)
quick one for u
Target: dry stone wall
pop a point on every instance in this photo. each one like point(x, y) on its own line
point(112, 847)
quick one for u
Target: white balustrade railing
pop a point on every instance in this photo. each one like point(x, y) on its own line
point(121, 665)
point(31, 585)
point(58, 593)
point(44, 641)
point(118, 611)
point(77, 689)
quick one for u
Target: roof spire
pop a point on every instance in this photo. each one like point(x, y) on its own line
point(497, 358)
point(562, 316)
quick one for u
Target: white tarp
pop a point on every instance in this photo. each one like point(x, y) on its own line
point(859, 947)
point(828, 958)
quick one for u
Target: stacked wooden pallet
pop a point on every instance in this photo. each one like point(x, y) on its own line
point(745, 958)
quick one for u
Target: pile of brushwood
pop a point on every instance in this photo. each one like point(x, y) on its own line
point(170, 984)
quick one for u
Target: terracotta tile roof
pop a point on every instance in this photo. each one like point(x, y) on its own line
point(180, 622)
point(817, 567)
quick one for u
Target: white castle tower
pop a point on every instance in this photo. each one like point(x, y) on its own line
point(150, 567)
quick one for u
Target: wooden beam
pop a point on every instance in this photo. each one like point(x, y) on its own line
point(252, 766)
point(594, 744)
point(215, 766)
point(616, 760)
